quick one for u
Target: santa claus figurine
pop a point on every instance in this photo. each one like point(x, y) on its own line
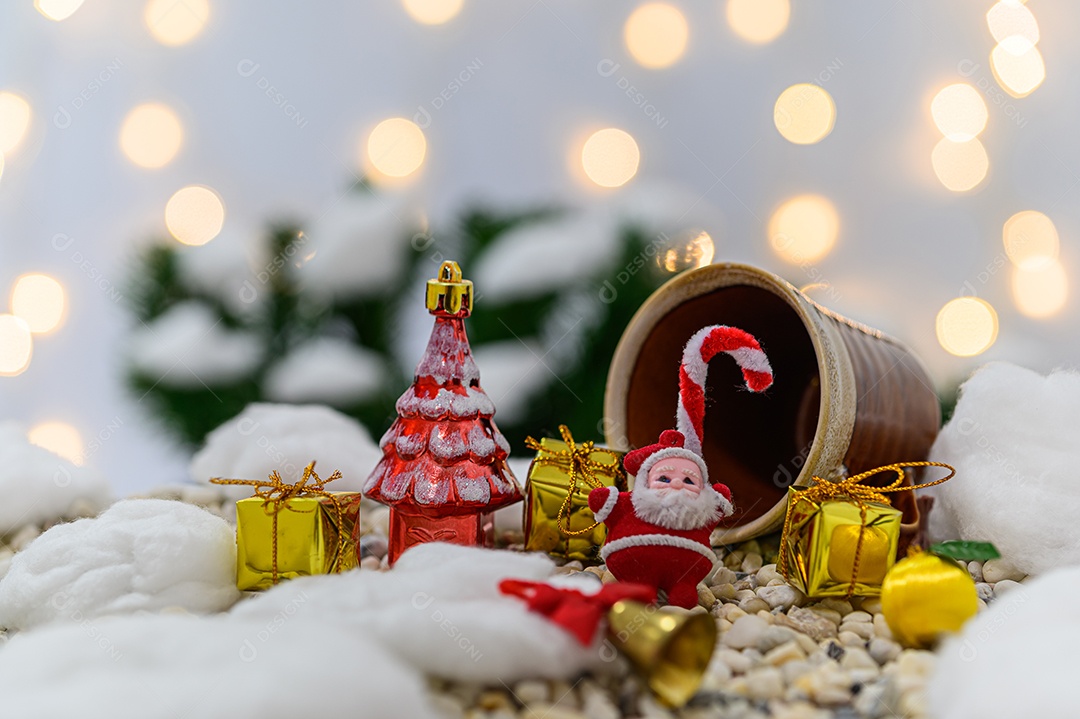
point(658, 534)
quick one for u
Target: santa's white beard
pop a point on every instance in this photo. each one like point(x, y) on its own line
point(678, 508)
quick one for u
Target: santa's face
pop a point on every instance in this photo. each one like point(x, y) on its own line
point(675, 474)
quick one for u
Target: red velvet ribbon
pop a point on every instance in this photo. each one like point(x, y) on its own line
point(574, 611)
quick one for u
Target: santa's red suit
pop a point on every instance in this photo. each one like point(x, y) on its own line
point(636, 550)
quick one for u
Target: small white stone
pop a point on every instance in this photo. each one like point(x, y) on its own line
point(837, 605)
point(872, 605)
point(831, 614)
point(731, 612)
point(751, 563)
point(531, 692)
point(857, 658)
point(753, 605)
point(985, 591)
point(851, 639)
point(24, 536)
point(864, 629)
point(997, 569)
point(721, 575)
point(768, 574)
point(723, 591)
point(856, 616)
point(788, 652)
point(765, 683)
point(881, 627)
point(596, 704)
point(774, 636)
point(1003, 586)
point(975, 569)
point(781, 596)
point(743, 594)
point(738, 662)
point(883, 650)
point(746, 632)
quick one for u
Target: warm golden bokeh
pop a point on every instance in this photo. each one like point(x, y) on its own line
point(688, 252)
point(804, 114)
point(804, 229)
point(758, 21)
point(57, 9)
point(967, 326)
point(59, 438)
point(151, 135)
point(395, 148)
point(1031, 240)
point(1018, 66)
point(1012, 19)
point(610, 157)
point(39, 300)
point(16, 345)
point(432, 12)
point(656, 35)
point(1040, 291)
point(176, 22)
point(194, 215)
point(959, 111)
point(14, 120)
point(960, 166)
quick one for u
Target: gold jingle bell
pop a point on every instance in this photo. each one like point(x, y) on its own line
point(448, 295)
point(669, 651)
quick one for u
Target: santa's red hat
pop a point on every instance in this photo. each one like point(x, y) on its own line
point(685, 441)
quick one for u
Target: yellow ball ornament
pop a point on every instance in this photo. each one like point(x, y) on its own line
point(924, 596)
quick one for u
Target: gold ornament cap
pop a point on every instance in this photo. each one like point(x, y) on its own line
point(448, 295)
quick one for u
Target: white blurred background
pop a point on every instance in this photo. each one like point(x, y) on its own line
point(895, 156)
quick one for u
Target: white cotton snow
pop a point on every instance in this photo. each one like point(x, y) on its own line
point(440, 610)
point(224, 268)
point(1016, 659)
point(547, 255)
point(360, 244)
point(294, 663)
point(188, 346)
point(38, 486)
point(328, 370)
point(1014, 442)
point(513, 371)
point(140, 554)
point(267, 437)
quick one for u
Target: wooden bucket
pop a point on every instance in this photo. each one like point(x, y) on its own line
point(846, 397)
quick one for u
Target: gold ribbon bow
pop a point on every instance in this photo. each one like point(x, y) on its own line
point(579, 465)
point(276, 494)
point(822, 490)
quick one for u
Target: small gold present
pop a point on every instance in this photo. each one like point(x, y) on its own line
point(294, 530)
point(840, 538)
point(557, 515)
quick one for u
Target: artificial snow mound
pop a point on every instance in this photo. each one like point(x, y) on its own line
point(140, 554)
point(1016, 659)
point(1013, 441)
point(38, 486)
point(188, 346)
point(284, 437)
point(326, 369)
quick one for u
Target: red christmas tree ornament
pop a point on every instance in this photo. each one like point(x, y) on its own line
point(444, 470)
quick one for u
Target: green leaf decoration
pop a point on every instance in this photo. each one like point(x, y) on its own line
point(966, 551)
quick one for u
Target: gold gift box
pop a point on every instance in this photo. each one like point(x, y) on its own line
point(311, 538)
point(545, 492)
point(819, 548)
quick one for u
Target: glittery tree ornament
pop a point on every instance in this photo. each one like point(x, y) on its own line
point(444, 470)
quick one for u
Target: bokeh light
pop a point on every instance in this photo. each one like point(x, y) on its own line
point(39, 300)
point(1011, 18)
point(16, 345)
point(176, 22)
point(656, 35)
point(14, 119)
point(194, 215)
point(804, 228)
point(432, 12)
point(804, 114)
point(967, 326)
point(688, 251)
point(959, 111)
point(1018, 66)
point(151, 135)
point(57, 9)
point(59, 438)
point(758, 21)
point(960, 166)
point(610, 157)
point(1040, 291)
point(1031, 240)
point(396, 147)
